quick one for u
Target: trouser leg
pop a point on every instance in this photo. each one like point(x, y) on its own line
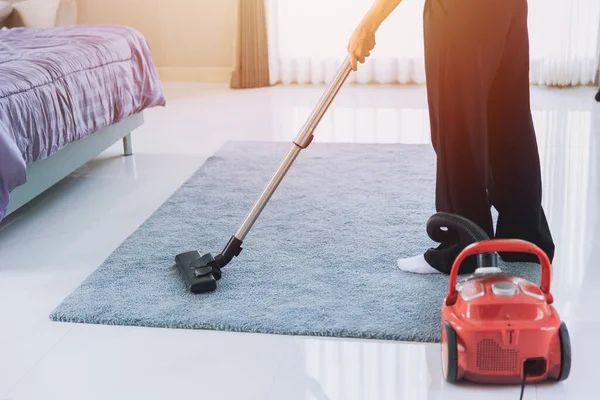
point(464, 43)
point(513, 153)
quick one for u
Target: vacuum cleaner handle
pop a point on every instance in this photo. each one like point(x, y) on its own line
point(201, 273)
point(305, 135)
point(501, 245)
point(302, 141)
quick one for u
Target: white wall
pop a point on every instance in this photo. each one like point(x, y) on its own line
point(191, 40)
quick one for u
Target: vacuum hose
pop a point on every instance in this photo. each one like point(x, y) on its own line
point(459, 233)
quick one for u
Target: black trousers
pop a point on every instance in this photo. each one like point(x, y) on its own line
point(477, 72)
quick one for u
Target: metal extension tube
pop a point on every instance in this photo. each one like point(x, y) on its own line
point(301, 142)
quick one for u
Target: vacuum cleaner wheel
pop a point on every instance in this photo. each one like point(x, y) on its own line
point(450, 354)
point(565, 352)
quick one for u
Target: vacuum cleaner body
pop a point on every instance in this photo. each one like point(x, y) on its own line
point(502, 329)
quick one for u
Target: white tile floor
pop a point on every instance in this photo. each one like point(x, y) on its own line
point(53, 244)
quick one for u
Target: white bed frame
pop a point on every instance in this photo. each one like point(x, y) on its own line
point(44, 174)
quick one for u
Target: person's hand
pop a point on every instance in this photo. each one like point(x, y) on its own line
point(361, 43)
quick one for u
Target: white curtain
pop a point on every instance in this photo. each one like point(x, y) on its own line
point(308, 39)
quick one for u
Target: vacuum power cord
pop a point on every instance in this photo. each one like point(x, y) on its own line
point(523, 383)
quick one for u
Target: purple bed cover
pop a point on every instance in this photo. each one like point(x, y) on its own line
point(63, 84)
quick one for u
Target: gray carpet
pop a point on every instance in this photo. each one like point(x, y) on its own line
point(321, 259)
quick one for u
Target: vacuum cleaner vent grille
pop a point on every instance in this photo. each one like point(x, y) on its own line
point(492, 357)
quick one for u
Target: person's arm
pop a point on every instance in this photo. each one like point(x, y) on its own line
point(363, 38)
point(379, 11)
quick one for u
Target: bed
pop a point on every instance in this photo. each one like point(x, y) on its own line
point(67, 93)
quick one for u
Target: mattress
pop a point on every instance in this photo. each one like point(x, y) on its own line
point(59, 85)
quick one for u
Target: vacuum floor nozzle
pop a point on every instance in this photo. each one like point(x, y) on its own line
point(200, 272)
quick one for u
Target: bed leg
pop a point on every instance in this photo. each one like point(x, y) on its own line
point(127, 147)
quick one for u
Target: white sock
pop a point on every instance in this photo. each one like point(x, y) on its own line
point(417, 265)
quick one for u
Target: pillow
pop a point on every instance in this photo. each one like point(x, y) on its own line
point(6, 9)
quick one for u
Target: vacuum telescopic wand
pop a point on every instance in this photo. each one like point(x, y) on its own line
point(201, 272)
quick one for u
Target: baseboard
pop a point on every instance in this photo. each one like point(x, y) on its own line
point(195, 74)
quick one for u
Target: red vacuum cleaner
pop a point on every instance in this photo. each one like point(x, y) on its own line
point(502, 329)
